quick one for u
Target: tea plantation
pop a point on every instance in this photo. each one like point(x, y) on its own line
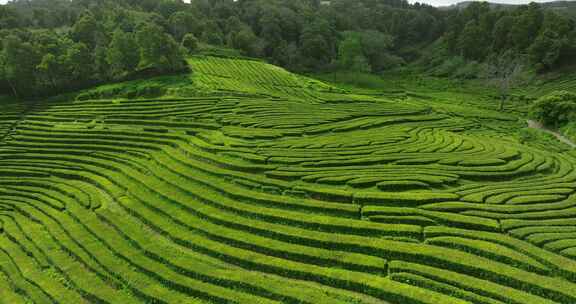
point(248, 184)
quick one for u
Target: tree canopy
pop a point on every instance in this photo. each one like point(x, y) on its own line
point(114, 40)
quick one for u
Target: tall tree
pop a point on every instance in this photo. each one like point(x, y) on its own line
point(49, 69)
point(78, 62)
point(318, 43)
point(158, 50)
point(9, 18)
point(122, 55)
point(246, 41)
point(20, 61)
point(349, 49)
point(545, 50)
point(190, 43)
point(182, 23)
point(87, 30)
point(472, 43)
point(377, 47)
point(150, 38)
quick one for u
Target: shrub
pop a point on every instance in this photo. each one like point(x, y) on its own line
point(555, 110)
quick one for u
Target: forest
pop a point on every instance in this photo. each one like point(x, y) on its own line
point(54, 46)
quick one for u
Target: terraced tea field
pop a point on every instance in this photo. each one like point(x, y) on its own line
point(283, 191)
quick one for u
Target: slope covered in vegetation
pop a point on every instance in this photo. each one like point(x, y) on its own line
point(280, 189)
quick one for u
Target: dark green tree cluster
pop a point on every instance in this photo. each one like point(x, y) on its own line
point(367, 51)
point(308, 34)
point(478, 32)
point(101, 46)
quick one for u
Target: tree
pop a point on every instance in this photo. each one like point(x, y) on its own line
point(190, 43)
point(20, 61)
point(555, 110)
point(472, 42)
point(4, 87)
point(8, 17)
point(87, 30)
point(271, 30)
point(181, 23)
point(351, 55)
point(318, 43)
point(158, 50)
point(526, 26)
point(78, 63)
point(168, 7)
point(377, 46)
point(348, 50)
point(361, 65)
point(246, 41)
point(101, 66)
point(174, 55)
point(288, 55)
point(122, 55)
point(150, 38)
point(49, 69)
point(501, 33)
point(545, 50)
point(505, 72)
point(213, 34)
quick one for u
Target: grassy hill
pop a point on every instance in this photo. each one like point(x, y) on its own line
point(244, 183)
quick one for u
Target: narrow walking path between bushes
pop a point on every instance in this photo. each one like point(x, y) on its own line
point(536, 125)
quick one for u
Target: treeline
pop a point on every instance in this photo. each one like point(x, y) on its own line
point(50, 50)
point(479, 36)
point(542, 38)
point(57, 45)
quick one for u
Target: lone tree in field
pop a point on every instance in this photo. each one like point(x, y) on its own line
point(505, 72)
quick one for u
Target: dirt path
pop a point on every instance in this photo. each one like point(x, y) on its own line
point(536, 125)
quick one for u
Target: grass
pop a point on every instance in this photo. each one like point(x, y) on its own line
point(244, 183)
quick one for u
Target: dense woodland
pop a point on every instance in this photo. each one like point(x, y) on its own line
point(52, 46)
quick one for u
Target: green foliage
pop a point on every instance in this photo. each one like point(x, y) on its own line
point(20, 60)
point(151, 39)
point(78, 60)
point(122, 54)
point(87, 30)
point(100, 46)
point(190, 43)
point(377, 47)
point(555, 110)
point(182, 23)
point(305, 35)
point(480, 33)
point(569, 130)
point(458, 67)
point(472, 43)
point(245, 40)
point(8, 17)
point(351, 55)
point(318, 43)
point(49, 66)
point(546, 50)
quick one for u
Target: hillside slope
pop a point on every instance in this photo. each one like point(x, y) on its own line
point(247, 186)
